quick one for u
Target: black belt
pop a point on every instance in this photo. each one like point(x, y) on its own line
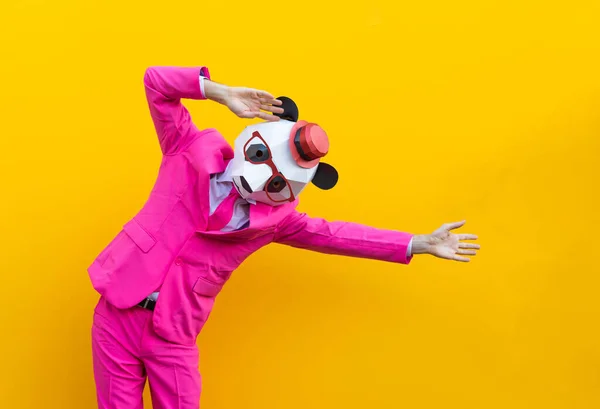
point(147, 304)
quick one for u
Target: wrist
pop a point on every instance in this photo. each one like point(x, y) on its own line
point(421, 244)
point(215, 91)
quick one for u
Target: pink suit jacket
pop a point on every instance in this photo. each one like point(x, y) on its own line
point(167, 245)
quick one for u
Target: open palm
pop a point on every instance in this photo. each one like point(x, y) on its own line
point(445, 244)
point(253, 103)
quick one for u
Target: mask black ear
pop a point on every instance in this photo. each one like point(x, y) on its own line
point(290, 110)
point(326, 176)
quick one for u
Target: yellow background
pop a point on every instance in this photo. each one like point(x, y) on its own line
point(437, 111)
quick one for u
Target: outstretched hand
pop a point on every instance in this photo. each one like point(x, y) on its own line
point(444, 244)
point(253, 103)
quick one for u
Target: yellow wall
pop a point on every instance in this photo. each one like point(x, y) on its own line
point(437, 111)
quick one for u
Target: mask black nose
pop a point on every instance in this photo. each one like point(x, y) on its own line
point(245, 184)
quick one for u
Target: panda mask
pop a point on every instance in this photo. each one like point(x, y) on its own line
point(274, 161)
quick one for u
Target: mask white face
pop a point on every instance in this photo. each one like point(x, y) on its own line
point(263, 167)
point(274, 161)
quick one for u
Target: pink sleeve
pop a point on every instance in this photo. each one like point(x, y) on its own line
point(343, 238)
point(165, 87)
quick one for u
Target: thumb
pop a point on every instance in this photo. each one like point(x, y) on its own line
point(454, 225)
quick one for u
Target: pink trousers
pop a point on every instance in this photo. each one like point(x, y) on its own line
point(127, 352)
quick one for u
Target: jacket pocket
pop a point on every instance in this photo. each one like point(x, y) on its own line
point(140, 237)
point(206, 288)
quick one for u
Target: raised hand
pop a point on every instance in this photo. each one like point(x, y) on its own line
point(244, 102)
point(253, 103)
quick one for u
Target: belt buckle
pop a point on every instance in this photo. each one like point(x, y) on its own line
point(145, 304)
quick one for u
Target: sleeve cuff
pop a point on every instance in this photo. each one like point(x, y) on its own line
point(409, 249)
point(202, 87)
point(204, 75)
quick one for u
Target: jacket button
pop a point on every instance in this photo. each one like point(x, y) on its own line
point(178, 262)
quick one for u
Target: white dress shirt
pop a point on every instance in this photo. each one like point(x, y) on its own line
point(220, 187)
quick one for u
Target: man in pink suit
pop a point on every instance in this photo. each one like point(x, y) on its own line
point(211, 207)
